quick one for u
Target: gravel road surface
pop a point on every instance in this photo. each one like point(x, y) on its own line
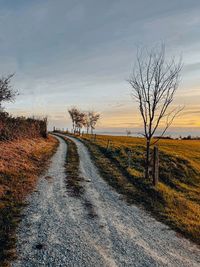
point(95, 229)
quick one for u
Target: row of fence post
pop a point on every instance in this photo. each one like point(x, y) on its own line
point(155, 160)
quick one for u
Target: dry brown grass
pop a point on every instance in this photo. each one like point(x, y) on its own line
point(21, 162)
point(176, 199)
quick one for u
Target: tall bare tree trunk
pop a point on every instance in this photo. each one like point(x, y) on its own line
point(147, 159)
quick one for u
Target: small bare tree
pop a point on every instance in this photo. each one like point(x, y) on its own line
point(154, 82)
point(82, 119)
point(93, 119)
point(73, 112)
point(87, 122)
point(7, 93)
point(79, 121)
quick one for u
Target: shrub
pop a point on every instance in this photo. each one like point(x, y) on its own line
point(20, 127)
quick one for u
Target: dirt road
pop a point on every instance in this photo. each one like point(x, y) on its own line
point(96, 229)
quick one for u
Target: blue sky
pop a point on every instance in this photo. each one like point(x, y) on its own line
point(80, 53)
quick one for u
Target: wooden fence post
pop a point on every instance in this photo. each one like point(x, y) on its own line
point(129, 158)
point(108, 144)
point(155, 166)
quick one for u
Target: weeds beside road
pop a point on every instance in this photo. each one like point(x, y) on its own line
point(21, 162)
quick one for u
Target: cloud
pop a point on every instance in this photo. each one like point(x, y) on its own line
point(191, 112)
point(192, 67)
point(70, 52)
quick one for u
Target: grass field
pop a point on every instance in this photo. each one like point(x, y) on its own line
point(176, 198)
point(21, 162)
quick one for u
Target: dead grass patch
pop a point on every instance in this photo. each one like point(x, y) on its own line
point(21, 162)
point(176, 199)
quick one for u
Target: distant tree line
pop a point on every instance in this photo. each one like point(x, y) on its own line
point(81, 119)
point(189, 137)
point(17, 127)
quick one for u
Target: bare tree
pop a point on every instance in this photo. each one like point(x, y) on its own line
point(154, 82)
point(7, 93)
point(79, 121)
point(82, 119)
point(86, 122)
point(93, 119)
point(73, 112)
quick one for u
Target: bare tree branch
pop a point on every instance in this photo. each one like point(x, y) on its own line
point(7, 93)
point(154, 82)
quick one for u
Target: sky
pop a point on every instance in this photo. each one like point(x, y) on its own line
point(81, 52)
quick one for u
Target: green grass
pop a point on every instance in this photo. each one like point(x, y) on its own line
point(176, 198)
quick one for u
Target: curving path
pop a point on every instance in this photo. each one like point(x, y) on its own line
point(96, 229)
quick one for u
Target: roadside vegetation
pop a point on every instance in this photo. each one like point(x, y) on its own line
point(176, 198)
point(20, 166)
point(13, 128)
